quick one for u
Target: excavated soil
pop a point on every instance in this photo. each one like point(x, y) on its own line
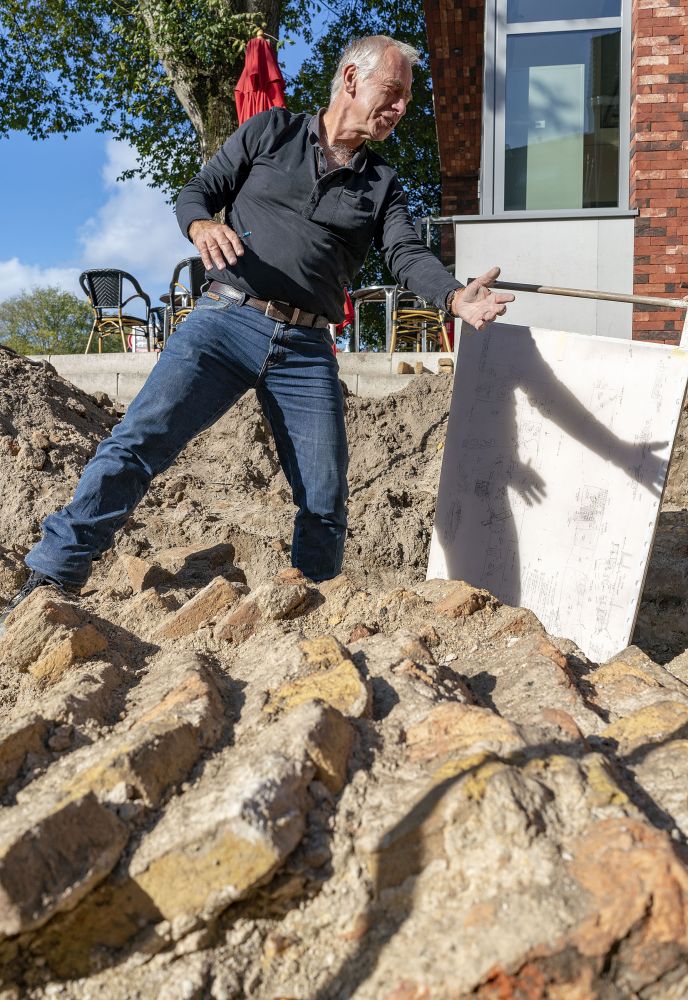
point(220, 780)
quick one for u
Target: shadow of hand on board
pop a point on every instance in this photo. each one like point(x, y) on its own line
point(486, 485)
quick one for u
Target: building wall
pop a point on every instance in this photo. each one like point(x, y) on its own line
point(659, 138)
point(456, 38)
point(659, 160)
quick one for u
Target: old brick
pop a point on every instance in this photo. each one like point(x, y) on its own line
point(143, 573)
point(635, 883)
point(458, 729)
point(215, 844)
point(194, 564)
point(62, 837)
point(39, 623)
point(273, 601)
point(659, 721)
point(18, 739)
point(51, 856)
point(632, 680)
point(341, 686)
point(203, 609)
point(463, 601)
point(81, 644)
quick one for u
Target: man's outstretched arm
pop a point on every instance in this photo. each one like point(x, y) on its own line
point(415, 266)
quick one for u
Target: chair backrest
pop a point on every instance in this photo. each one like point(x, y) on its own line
point(195, 279)
point(196, 276)
point(103, 287)
point(411, 300)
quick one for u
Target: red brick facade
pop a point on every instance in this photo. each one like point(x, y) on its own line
point(659, 160)
point(456, 39)
point(659, 137)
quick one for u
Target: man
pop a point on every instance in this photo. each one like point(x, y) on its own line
point(304, 198)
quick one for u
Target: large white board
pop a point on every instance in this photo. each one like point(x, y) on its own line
point(554, 465)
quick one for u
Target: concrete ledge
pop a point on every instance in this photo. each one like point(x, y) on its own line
point(379, 363)
point(143, 361)
point(122, 376)
point(368, 362)
point(382, 385)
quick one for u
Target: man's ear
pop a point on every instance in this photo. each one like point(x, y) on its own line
point(349, 75)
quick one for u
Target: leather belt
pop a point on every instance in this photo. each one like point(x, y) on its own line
point(280, 311)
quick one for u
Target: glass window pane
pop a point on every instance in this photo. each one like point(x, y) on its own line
point(518, 11)
point(562, 120)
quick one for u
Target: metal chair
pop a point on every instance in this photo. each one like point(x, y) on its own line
point(156, 327)
point(419, 324)
point(104, 289)
point(183, 298)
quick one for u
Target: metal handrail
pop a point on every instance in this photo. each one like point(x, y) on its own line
point(584, 293)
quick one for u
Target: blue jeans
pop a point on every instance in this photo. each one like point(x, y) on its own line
point(222, 350)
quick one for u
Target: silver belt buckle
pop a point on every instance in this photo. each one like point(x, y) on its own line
point(272, 313)
point(294, 316)
point(229, 292)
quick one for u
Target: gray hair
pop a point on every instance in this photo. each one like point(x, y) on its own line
point(366, 55)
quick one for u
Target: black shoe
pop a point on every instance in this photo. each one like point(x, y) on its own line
point(35, 580)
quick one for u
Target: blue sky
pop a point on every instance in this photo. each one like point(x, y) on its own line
point(64, 210)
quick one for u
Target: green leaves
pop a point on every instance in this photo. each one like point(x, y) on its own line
point(46, 321)
point(159, 74)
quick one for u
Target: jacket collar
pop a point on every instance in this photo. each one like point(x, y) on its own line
point(360, 157)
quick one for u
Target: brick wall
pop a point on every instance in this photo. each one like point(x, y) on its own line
point(456, 40)
point(659, 160)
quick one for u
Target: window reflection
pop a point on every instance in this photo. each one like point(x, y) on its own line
point(519, 11)
point(562, 120)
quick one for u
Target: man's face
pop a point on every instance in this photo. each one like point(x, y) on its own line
point(380, 100)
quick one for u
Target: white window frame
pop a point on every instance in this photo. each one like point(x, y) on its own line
point(494, 99)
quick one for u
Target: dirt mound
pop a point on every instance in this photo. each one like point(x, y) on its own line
point(48, 431)
point(220, 780)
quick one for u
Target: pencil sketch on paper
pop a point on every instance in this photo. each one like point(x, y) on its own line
point(554, 466)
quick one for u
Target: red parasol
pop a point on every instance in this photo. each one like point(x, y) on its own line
point(261, 85)
point(349, 313)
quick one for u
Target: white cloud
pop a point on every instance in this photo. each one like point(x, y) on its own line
point(16, 278)
point(134, 230)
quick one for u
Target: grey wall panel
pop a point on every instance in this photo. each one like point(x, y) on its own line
point(590, 253)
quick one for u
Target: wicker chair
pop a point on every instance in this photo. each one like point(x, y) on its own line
point(183, 298)
point(418, 324)
point(158, 318)
point(104, 289)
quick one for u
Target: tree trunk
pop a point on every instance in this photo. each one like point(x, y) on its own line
point(219, 117)
point(208, 96)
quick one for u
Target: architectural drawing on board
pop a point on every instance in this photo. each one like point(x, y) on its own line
point(554, 465)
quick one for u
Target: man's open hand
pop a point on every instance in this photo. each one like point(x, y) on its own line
point(476, 304)
point(217, 244)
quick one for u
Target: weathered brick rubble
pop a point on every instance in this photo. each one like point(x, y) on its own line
point(220, 780)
